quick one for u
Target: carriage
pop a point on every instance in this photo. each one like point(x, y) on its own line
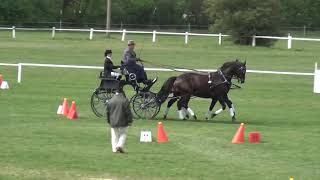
point(143, 103)
point(146, 104)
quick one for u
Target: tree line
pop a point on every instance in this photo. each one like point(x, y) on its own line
point(241, 18)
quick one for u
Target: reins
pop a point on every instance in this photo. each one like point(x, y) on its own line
point(176, 69)
point(173, 68)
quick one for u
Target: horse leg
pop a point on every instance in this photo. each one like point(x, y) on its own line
point(223, 105)
point(231, 107)
point(182, 114)
point(186, 113)
point(189, 110)
point(170, 103)
point(213, 103)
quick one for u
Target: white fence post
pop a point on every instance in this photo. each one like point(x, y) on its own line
point(154, 36)
point(289, 41)
point(91, 34)
point(53, 32)
point(316, 84)
point(254, 41)
point(19, 72)
point(123, 35)
point(13, 32)
point(186, 39)
point(220, 38)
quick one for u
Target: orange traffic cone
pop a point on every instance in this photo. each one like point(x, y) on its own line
point(73, 114)
point(162, 136)
point(65, 107)
point(1, 79)
point(239, 136)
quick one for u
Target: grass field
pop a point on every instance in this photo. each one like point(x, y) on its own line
point(35, 143)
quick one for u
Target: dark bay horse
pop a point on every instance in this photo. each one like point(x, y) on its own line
point(214, 85)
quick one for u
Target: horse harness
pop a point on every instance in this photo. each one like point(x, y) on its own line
point(212, 85)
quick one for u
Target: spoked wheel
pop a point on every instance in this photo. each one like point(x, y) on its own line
point(98, 102)
point(144, 105)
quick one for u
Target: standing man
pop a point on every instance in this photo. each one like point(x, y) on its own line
point(130, 62)
point(119, 116)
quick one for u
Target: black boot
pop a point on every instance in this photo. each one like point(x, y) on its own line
point(149, 83)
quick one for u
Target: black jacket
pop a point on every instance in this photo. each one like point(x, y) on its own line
point(108, 66)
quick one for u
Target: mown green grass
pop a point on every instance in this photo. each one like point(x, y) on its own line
point(38, 144)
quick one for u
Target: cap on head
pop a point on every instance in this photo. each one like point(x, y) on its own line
point(131, 42)
point(108, 51)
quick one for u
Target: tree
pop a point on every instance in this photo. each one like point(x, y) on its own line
point(300, 12)
point(194, 10)
point(244, 18)
point(30, 11)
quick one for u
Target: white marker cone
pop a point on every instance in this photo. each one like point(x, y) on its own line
point(4, 85)
point(60, 110)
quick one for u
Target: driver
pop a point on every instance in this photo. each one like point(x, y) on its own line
point(130, 62)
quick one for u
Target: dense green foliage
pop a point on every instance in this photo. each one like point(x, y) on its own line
point(293, 12)
point(18, 11)
point(245, 18)
point(94, 11)
point(240, 18)
point(301, 12)
point(38, 144)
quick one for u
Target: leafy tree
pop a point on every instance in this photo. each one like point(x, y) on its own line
point(244, 18)
point(21, 11)
point(195, 12)
point(301, 12)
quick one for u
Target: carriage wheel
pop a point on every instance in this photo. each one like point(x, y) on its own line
point(144, 105)
point(98, 102)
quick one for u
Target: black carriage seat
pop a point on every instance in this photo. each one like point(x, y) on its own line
point(108, 82)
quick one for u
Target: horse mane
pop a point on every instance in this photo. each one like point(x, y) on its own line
point(228, 64)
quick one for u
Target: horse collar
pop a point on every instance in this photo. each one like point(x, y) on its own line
point(223, 76)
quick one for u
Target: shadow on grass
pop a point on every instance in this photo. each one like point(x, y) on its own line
point(260, 122)
point(197, 121)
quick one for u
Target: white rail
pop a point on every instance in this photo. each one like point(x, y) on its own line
point(154, 34)
point(20, 65)
point(124, 32)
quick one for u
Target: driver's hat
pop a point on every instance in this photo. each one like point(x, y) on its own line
point(131, 42)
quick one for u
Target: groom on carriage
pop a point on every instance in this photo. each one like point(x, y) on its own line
point(109, 66)
point(130, 64)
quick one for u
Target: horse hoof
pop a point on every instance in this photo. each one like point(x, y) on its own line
point(164, 117)
point(187, 117)
point(234, 119)
point(195, 117)
point(213, 115)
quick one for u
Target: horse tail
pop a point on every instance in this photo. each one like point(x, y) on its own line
point(166, 89)
point(167, 86)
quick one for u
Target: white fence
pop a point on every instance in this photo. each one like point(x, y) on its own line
point(20, 66)
point(124, 32)
point(154, 34)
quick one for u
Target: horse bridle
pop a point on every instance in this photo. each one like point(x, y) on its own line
point(242, 68)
